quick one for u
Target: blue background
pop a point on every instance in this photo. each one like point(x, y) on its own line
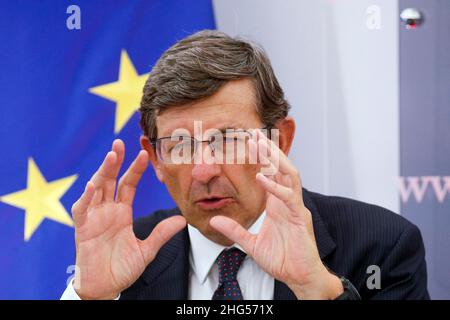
point(47, 113)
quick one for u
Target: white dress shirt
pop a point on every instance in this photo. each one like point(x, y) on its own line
point(255, 284)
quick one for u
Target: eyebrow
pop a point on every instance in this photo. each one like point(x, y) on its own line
point(223, 129)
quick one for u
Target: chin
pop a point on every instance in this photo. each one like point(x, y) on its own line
point(219, 238)
point(200, 219)
point(209, 232)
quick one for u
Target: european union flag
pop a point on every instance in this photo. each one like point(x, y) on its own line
point(71, 80)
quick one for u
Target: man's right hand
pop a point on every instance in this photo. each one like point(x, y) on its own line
point(109, 257)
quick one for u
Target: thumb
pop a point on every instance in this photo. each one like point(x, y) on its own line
point(235, 232)
point(162, 233)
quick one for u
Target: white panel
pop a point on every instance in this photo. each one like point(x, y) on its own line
point(341, 78)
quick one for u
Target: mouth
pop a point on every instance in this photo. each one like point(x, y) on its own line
point(211, 203)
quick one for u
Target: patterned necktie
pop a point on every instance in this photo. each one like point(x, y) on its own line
point(229, 262)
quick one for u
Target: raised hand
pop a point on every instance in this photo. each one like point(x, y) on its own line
point(109, 257)
point(285, 247)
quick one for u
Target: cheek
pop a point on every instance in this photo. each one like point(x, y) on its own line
point(177, 179)
point(243, 178)
point(252, 197)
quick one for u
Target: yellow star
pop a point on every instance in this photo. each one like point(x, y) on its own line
point(126, 92)
point(41, 199)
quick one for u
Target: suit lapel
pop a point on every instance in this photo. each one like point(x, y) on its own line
point(167, 277)
point(325, 244)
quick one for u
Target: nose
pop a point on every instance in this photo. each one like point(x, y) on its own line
point(203, 171)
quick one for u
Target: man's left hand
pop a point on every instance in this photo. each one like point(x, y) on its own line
point(285, 246)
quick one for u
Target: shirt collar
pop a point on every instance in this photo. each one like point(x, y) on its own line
point(204, 252)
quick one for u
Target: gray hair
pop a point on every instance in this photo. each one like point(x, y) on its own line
point(197, 66)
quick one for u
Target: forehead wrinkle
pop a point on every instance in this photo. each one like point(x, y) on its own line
point(207, 108)
point(187, 123)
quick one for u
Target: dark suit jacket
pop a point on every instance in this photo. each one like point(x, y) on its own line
point(350, 235)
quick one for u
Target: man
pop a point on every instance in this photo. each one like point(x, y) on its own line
point(238, 232)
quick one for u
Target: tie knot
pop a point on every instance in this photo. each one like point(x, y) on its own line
point(229, 262)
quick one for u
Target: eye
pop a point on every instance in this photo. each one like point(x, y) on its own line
point(236, 137)
point(230, 139)
point(184, 143)
point(179, 143)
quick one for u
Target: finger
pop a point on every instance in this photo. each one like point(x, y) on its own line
point(119, 148)
point(80, 207)
point(268, 168)
point(235, 232)
point(255, 153)
point(279, 160)
point(270, 171)
point(276, 156)
point(162, 233)
point(130, 179)
point(252, 151)
point(281, 192)
point(104, 179)
point(263, 152)
point(285, 194)
point(266, 153)
point(97, 198)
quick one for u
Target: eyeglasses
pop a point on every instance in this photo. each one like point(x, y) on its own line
point(230, 147)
